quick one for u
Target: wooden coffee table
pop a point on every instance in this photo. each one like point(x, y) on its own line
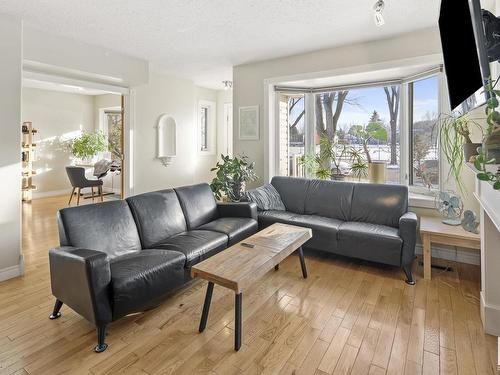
point(239, 266)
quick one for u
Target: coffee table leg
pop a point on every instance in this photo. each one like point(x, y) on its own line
point(237, 321)
point(206, 306)
point(302, 262)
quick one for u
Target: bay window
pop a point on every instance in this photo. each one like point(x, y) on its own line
point(392, 123)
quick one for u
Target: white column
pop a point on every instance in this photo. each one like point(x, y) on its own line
point(10, 147)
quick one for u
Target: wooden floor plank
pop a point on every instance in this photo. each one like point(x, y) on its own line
point(348, 317)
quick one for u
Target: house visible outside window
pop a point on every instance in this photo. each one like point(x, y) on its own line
point(393, 123)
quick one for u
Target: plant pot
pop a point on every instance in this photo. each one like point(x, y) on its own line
point(491, 147)
point(470, 149)
point(338, 177)
point(376, 172)
point(237, 191)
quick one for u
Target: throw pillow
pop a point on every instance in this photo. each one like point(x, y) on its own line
point(266, 197)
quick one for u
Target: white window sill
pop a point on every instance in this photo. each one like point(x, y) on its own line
point(422, 201)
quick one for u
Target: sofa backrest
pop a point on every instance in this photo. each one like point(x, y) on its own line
point(198, 204)
point(331, 199)
point(158, 215)
point(108, 227)
point(292, 191)
point(379, 203)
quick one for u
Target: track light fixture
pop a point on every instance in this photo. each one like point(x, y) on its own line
point(378, 8)
point(227, 85)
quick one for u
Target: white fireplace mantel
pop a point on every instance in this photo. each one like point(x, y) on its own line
point(489, 201)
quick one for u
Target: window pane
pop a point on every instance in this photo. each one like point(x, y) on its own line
point(203, 129)
point(114, 128)
point(296, 135)
point(424, 134)
point(362, 125)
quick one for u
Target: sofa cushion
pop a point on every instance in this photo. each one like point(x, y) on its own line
point(196, 245)
point(378, 243)
point(236, 228)
point(267, 218)
point(324, 231)
point(266, 197)
point(293, 192)
point(142, 278)
point(108, 227)
point(158, 215)
point(198, 204)
point(329, 198)
point(379, 203)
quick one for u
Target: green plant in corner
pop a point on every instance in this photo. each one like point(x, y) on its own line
point(454, 133)
point(88, 145)
point(492, 130)
point(230, 177)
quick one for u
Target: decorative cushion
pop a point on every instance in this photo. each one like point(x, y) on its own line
point(266, 197)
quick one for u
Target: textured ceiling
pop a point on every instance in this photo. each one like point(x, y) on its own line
point(203, 39)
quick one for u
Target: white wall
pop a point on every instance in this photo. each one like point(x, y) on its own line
point(104, 101)
point(223, 97)
point(178, 98)
point(10, 147)
point(49, 53)
point(249, 88)
point(58, 117)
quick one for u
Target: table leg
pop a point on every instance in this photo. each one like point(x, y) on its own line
point(426, 238)
point(206, 306)
point(237, 321)
point(302, 263)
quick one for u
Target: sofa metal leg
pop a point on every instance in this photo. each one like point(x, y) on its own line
point(206, 306)
point(101, 336)
point(277, 267)
point(409, 276)
point(302, 263)
point(56, 313)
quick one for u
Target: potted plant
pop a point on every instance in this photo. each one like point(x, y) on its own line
point(456, 144)
point(231, 176)
point(491, 141)
point(374, 131)
point(88, 145)
point(329, 163)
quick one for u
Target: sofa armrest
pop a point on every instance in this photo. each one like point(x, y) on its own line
point(408, 232)
point(238, 209)
point(80, 278)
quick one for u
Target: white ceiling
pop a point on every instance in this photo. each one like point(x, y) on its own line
point(203, 39)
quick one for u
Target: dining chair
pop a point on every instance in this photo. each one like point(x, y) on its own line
point(76, 176)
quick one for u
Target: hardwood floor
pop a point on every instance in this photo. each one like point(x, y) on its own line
point(347, 317)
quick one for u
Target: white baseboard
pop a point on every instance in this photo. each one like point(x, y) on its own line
point(11, 272)
point(490, 315)
point(462, 256)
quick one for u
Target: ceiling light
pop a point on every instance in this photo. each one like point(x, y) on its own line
point(378, 8)
point(227, 85)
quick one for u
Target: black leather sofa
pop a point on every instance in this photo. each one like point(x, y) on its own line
point(121, 257)
point(366, 221)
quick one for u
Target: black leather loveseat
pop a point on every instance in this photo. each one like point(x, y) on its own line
point(366, 221)
point(120, 257)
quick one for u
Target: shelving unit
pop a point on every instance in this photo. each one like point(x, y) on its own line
point(28, 156)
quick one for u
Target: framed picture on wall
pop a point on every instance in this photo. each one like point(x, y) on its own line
point(249, 123)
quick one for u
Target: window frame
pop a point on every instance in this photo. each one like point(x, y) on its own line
point(417, 198)
point(210, 126)
point(418, 191)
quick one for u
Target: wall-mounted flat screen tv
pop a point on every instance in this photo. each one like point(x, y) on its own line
point(464, 52)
